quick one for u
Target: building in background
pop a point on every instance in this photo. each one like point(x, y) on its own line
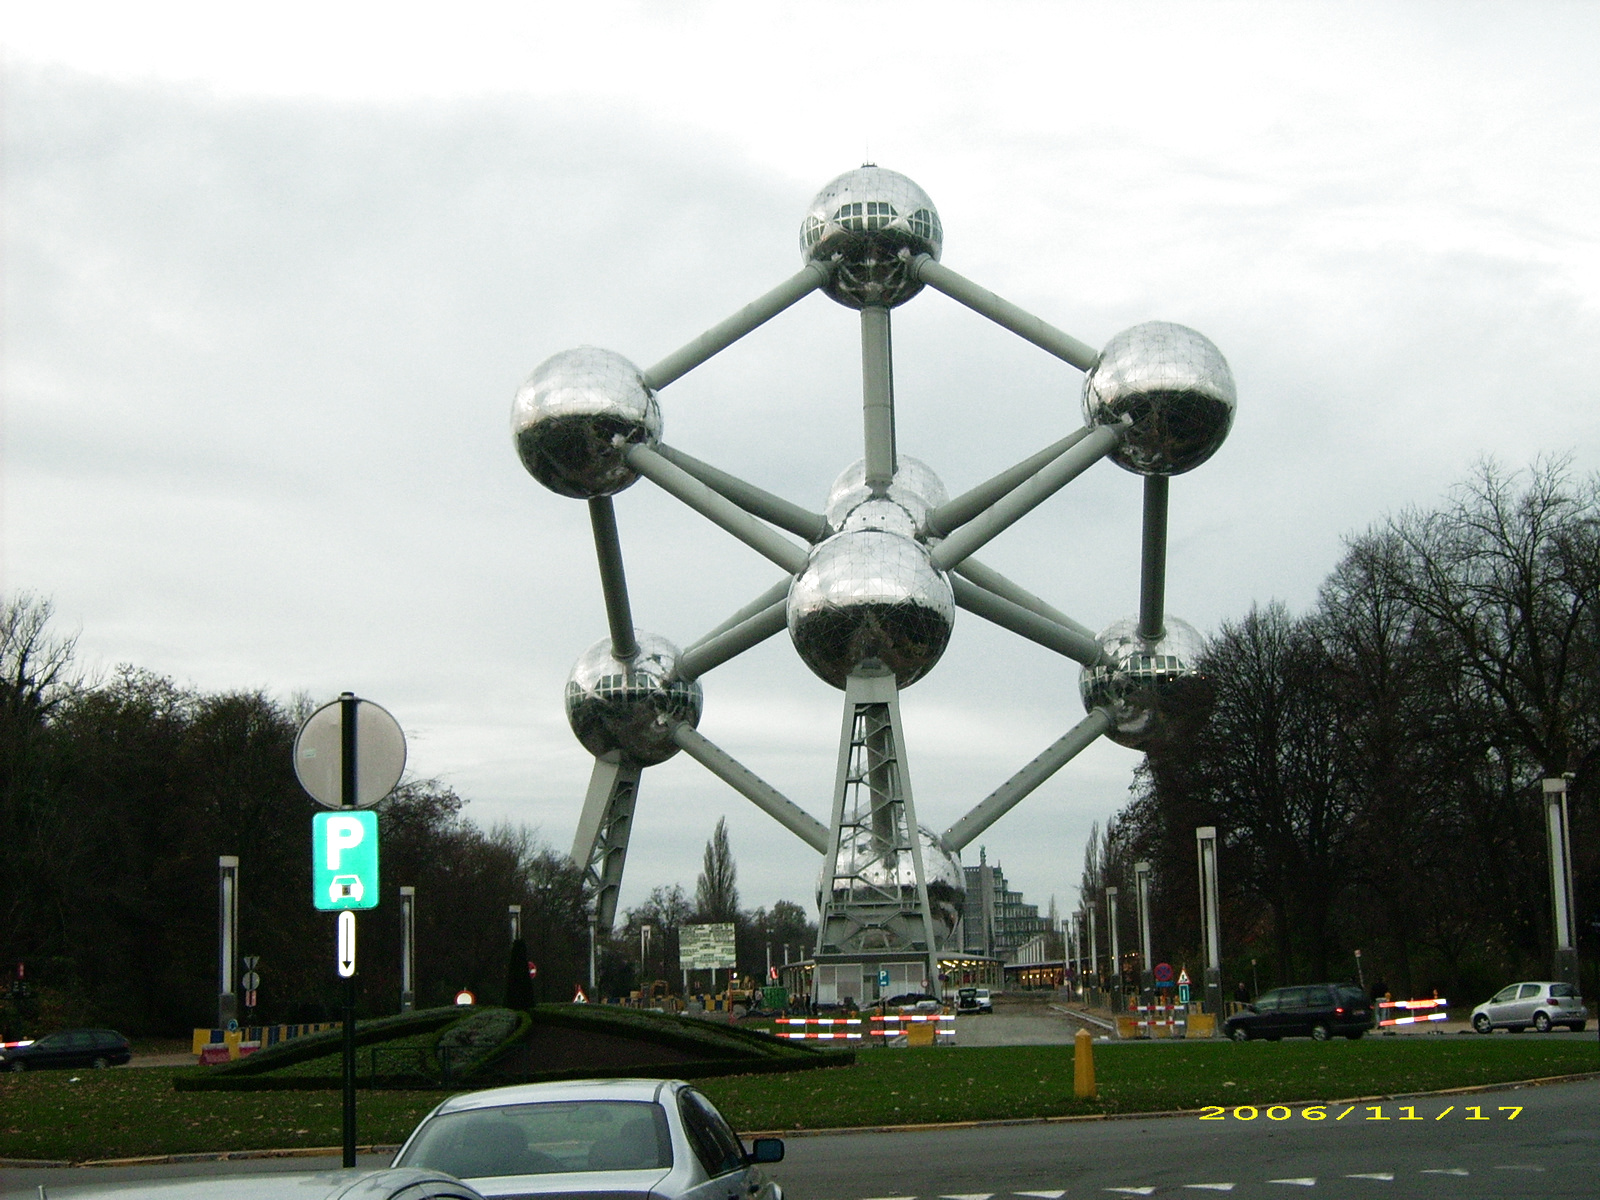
point(997, 921)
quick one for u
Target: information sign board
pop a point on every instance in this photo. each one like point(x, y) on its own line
point(344, 860)
point(706, 947)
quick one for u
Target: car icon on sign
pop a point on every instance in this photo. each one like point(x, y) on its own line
point(345, 887)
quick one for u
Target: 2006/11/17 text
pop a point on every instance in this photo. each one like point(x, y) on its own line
point(1319, 1112)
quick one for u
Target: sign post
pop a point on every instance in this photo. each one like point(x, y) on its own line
point(348, 755)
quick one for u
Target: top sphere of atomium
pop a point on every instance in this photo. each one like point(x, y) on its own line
point(1176, 387)
point(1150, 685)
point(573, 417)
point(631, 706)
point(869, 224)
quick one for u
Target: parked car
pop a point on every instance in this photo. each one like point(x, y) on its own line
point(1316, 1010)
point(974, 1000)
point(610, 1137)
point(69, 1048)
point(1542, 1005)
point(386, 1184)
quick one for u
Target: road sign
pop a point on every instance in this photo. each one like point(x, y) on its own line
point(1183, 977)
point(1183, 993)
point(533, 969)
point(250, 982)
point(464, 997)
point(580, 998)
point(1163, 973)
point(380, 753)
point(883, 977)
point(344, 860)
point(706, 947)
point(347, 944)
point(251, 961)
point(250, 999)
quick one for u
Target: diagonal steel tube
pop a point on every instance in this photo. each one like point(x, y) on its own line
point(1004, 313)
point(753, 315)
point(1153, 565)
point(714, 651)
point(1005, 797)
point(952, 514)
point(1026, 496)
point(756, 501)
point(877, 396)
point(1079, 647)
point(745, 781)
point(991, 580)
point(719, 509)
point(766, 600)
point(613, 581)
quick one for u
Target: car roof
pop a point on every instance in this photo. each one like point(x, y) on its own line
point(548, 1093)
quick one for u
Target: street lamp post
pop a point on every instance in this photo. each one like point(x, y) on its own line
point(1147, 980)
point(1116, 949)
point(1206, 843)
point(1555, 812)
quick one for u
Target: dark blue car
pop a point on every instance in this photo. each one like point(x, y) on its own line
point(69, 1048)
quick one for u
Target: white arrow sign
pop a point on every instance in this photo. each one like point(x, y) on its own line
point(347, 943)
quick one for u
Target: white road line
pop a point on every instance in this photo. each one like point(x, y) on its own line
point(970, 1196)
point(1211, 1187)
point(1447, 1171)
point(1041, 1195)
point(1386, 1176)
point(1134, 1191)
point(1303, 1181)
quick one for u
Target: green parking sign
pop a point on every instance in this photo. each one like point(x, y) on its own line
point(344, 859)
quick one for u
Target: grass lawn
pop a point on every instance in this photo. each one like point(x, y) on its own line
point(123, 1113)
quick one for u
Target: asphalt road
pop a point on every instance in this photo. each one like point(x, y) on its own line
point(1431, 1147)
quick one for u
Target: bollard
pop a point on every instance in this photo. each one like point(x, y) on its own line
point(1083, 1066)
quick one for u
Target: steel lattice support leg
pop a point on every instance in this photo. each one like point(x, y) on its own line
point(601, 846)
point(875, 911)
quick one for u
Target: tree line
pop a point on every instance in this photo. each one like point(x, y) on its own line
point(1374, 766)
point(118, 795)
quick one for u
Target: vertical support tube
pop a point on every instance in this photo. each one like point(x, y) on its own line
point(1153, 567)
point(1094, 953)
point(227, 937)
point(613, 582)
point(1555, 812)
point(514, 915)
point(1210, 919)
point(877, 388)
point(347, 799)
point(408, 948)
point(1147, 982)
point(1116, 949)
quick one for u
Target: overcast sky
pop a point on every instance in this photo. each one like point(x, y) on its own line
point(273, 273)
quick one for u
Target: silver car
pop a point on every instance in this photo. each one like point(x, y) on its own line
point(1541, 1005)
point(387, 1184)
point(646, 1139)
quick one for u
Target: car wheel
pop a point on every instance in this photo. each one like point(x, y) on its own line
point(1319, 1033)
point(99, 1064)
point(1240, 1034)
point(1541, 1022)
point(1482, 1024)
point(19, 1065)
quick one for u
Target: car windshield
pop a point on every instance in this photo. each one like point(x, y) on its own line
point(542, 1139)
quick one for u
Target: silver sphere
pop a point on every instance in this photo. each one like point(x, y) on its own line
point(570, 416)
point(630, 706)
point(1152, 688)
point(947, 882)
point(1177, 388)
point(902, 509)
point(871, 223)
point(870, 596)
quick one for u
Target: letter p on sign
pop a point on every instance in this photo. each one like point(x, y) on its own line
point(344, 860)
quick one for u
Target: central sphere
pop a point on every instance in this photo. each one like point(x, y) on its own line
point(870, 596)
point(947, 882)
point(870, 223)
point(630, 706)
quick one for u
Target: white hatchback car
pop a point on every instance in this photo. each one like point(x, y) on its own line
point(1541, 1005)
point(620, 1139)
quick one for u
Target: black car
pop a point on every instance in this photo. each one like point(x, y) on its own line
point(69, 1048)
point(1316, 1010)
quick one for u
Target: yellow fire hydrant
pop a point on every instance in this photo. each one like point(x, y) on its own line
point(1083, 1066)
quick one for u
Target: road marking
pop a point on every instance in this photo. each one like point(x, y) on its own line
point(1386, 1176)
point(1211, 1187)
point(1447, 1171)
point(1041, 1195)
point(972, 1196)
point(1137, 1191)
point(1303, 1181)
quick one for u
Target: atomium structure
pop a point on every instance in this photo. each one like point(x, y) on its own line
point(870, 590)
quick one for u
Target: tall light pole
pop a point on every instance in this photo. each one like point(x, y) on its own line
point(228, 937)
point(1116, 949)
point(514, 914)
point(1094, 949)
point(1147, 980)
point(408, 934)
point(1206, 843)
point(1555, 814)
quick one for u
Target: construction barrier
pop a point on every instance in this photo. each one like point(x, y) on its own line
point(822, 1029)
point(224, 1045)
point(1420, 1010)
point(1155, 1021)
point(915, 1029)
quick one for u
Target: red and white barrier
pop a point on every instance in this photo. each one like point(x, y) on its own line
point(1421, 1007)
point(820, 1029)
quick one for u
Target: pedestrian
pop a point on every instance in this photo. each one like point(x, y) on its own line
point(1241, 994)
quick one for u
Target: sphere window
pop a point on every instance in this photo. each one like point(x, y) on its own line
point(925, 224)
point(880, 214)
